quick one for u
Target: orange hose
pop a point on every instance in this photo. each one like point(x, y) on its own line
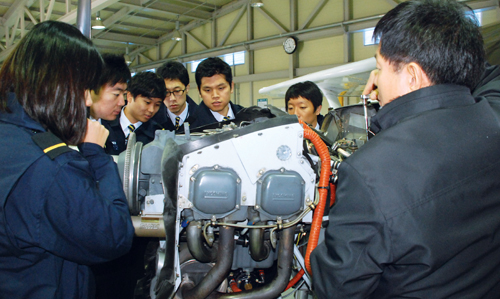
point(295, 279)
point(333, 189)
point(324, 183)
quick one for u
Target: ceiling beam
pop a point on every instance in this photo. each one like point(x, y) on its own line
point(127, 38)
point(272, 20)
point(313, 14)
point(97, 5)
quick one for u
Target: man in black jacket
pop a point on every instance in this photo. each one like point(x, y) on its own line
point(215, 84)
point(145, 94)
point(178, 106)
point(417, 206)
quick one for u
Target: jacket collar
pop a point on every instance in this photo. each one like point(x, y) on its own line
point(419, 101)
point(18, 116)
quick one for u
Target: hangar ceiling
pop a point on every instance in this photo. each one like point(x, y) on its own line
point(135, 26)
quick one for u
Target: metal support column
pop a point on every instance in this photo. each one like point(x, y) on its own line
point(83, 16)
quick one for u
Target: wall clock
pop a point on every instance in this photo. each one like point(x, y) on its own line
point(290, 45)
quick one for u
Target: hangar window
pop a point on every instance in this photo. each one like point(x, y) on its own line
point(235, 58)
point(368, 37)
point(150, 70)
point(478, 14)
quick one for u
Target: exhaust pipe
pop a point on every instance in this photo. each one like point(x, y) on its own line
point(278, 285)
point(259, 249)
point(220, 270)
point(197, 246)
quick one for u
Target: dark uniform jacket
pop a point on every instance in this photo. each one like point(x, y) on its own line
point(320, 119)
point(54, 219)
point(204, 116)
point(417, 211)
point(115, 144)
point(489, 86)
point(164, 120)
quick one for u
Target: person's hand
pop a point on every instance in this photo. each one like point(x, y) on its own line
point(371, 88)
point(96, 133)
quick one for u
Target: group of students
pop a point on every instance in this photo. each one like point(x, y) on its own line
point(149, 101)
point(159, 101)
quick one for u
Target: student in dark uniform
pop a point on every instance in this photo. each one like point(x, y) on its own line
point(215, 84)
point(304, 99)
point(108, 97)
point(178, 106)
point(55, 220)
point(145, 94)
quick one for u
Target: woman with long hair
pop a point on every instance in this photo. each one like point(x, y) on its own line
point(60, 209)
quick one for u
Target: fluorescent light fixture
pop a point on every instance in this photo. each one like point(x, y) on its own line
point(98, 24)
point(256, 4)
point(177, 26)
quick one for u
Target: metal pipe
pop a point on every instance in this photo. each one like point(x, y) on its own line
point(196, 244)
point(83, 16)
point(148, 227)
point(259, 250)
point(220, 270)
point(278, 285)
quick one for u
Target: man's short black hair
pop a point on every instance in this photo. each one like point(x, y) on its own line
point(147, 84)
point(173, 70)
point(308, 90)
point(115, 71)
point(213, 66)
point(442, 36)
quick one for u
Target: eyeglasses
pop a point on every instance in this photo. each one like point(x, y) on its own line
point(177, 93)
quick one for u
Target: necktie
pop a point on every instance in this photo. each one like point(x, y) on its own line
point(177, 120)
point(225, 118)
point(131, 127)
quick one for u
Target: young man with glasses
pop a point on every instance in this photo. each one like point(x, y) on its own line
point(179, 108)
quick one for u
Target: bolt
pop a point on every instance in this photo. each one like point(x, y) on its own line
point(193, 179)
point(152, 181)
point(260, 134)
point(238, 180)
point(257, 207)
point(216, 147)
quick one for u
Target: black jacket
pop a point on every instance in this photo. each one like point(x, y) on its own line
point(115, 144)
point(162, 117)
point(489, 86)
point(417, 211)
point(54, 218)
point(204, 116)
